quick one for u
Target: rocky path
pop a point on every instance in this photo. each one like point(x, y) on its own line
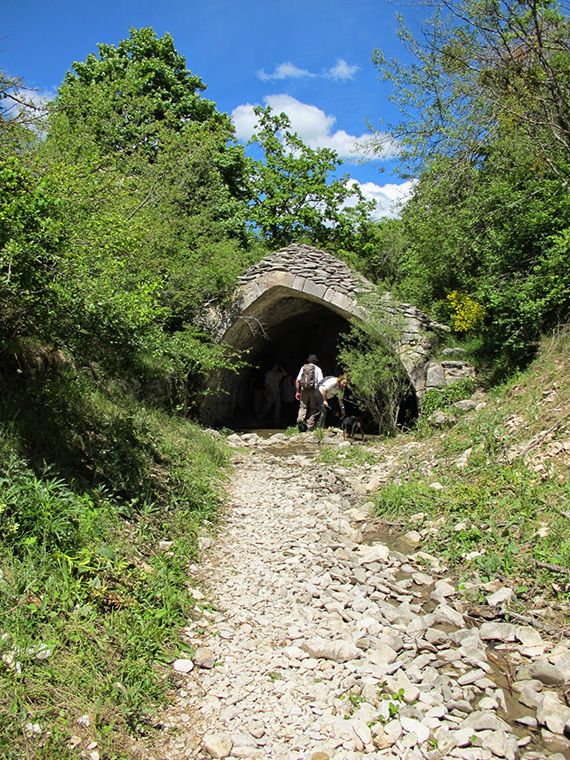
point(313, 642)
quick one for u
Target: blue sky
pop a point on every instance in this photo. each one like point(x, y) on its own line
point(311, 59)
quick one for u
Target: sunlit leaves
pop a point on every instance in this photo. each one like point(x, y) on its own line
point(294, 192)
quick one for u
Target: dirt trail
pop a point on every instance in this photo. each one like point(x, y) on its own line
point(312, 643)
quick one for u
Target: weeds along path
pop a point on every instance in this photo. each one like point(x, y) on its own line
point(311, 642)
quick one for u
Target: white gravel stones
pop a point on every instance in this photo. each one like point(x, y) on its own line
point(313, 645)
point(183, 666)
point(546, 673)
point(552, 713)
point(471, 677)
point(419, 729)
point(498, 631)
point(422, 579)
point(485, 720)
point(204, 658)
point(445, 614)
point(375, 553)
point(256, 729)
point(384, 655)
point(442, 590)
point(218, 745)
point(502, 596)
point(338, 651)
point(530, 693)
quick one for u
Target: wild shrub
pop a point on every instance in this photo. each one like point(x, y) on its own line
point(378, 380)
point(91, 606)
point(441, 398)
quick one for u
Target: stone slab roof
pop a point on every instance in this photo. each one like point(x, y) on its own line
point(311, 263)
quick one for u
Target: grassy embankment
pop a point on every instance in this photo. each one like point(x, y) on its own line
point(91, 603)
point(491, 493)
point(502, 509)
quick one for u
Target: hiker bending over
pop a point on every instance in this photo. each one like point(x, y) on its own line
point(331, 387)
point(308, 379)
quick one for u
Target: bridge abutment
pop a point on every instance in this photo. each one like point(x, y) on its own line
point(297, 301)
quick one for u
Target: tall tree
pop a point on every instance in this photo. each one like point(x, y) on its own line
point(22, 115)
point(483, 66)
point(128, 94)
point(166, 162)
point(486, 128)
point(293, 191)
point(128, 215)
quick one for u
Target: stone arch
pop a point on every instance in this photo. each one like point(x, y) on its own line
point(297, 301)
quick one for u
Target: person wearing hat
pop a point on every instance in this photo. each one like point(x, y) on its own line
point(308, 396)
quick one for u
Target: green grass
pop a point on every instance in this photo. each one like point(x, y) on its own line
point(496, 510)
point(82, 576)
point(348, 457)
point(498, 517)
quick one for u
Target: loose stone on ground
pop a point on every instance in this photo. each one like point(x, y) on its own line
point(310, 643)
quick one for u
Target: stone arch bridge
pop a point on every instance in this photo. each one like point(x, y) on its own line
point(296, 301)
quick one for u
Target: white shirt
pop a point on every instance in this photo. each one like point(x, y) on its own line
point(331, 386)
point(318, 374)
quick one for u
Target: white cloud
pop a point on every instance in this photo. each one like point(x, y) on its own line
point(245, 121)
point(25, 104)
point(342, 70)
point(389, 199)
point(286, 70)
point(313, 125)
point(39, 98)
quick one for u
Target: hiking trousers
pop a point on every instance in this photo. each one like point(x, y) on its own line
point(310, 405)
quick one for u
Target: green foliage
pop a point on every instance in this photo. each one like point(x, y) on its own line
point(488, 240)
point(21, 118)
point(479, 69)
point(126, 219)
point(378, 380)
point(130, 93)
point(355, 456)
point(188, 360)
point(114, 231)
point(491, 512)
point(30, 233)
point(441, 398)
point(91, 607)
point(95, 434)
point(393, 709)
point(499, 515)
point(378, 250)
point(292, 194)
point(486, 130)
point(394, 701)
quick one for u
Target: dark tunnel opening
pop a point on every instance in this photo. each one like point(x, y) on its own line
point(307, 328)
point(283, 330)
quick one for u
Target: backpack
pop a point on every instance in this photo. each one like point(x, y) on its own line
point(308, 377)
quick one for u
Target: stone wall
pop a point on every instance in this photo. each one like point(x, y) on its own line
point(298, 273)
point(440, 374)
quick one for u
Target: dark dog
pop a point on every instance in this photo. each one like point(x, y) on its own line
point(352, 425)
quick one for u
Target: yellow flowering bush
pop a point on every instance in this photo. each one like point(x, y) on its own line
point(466, 313)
